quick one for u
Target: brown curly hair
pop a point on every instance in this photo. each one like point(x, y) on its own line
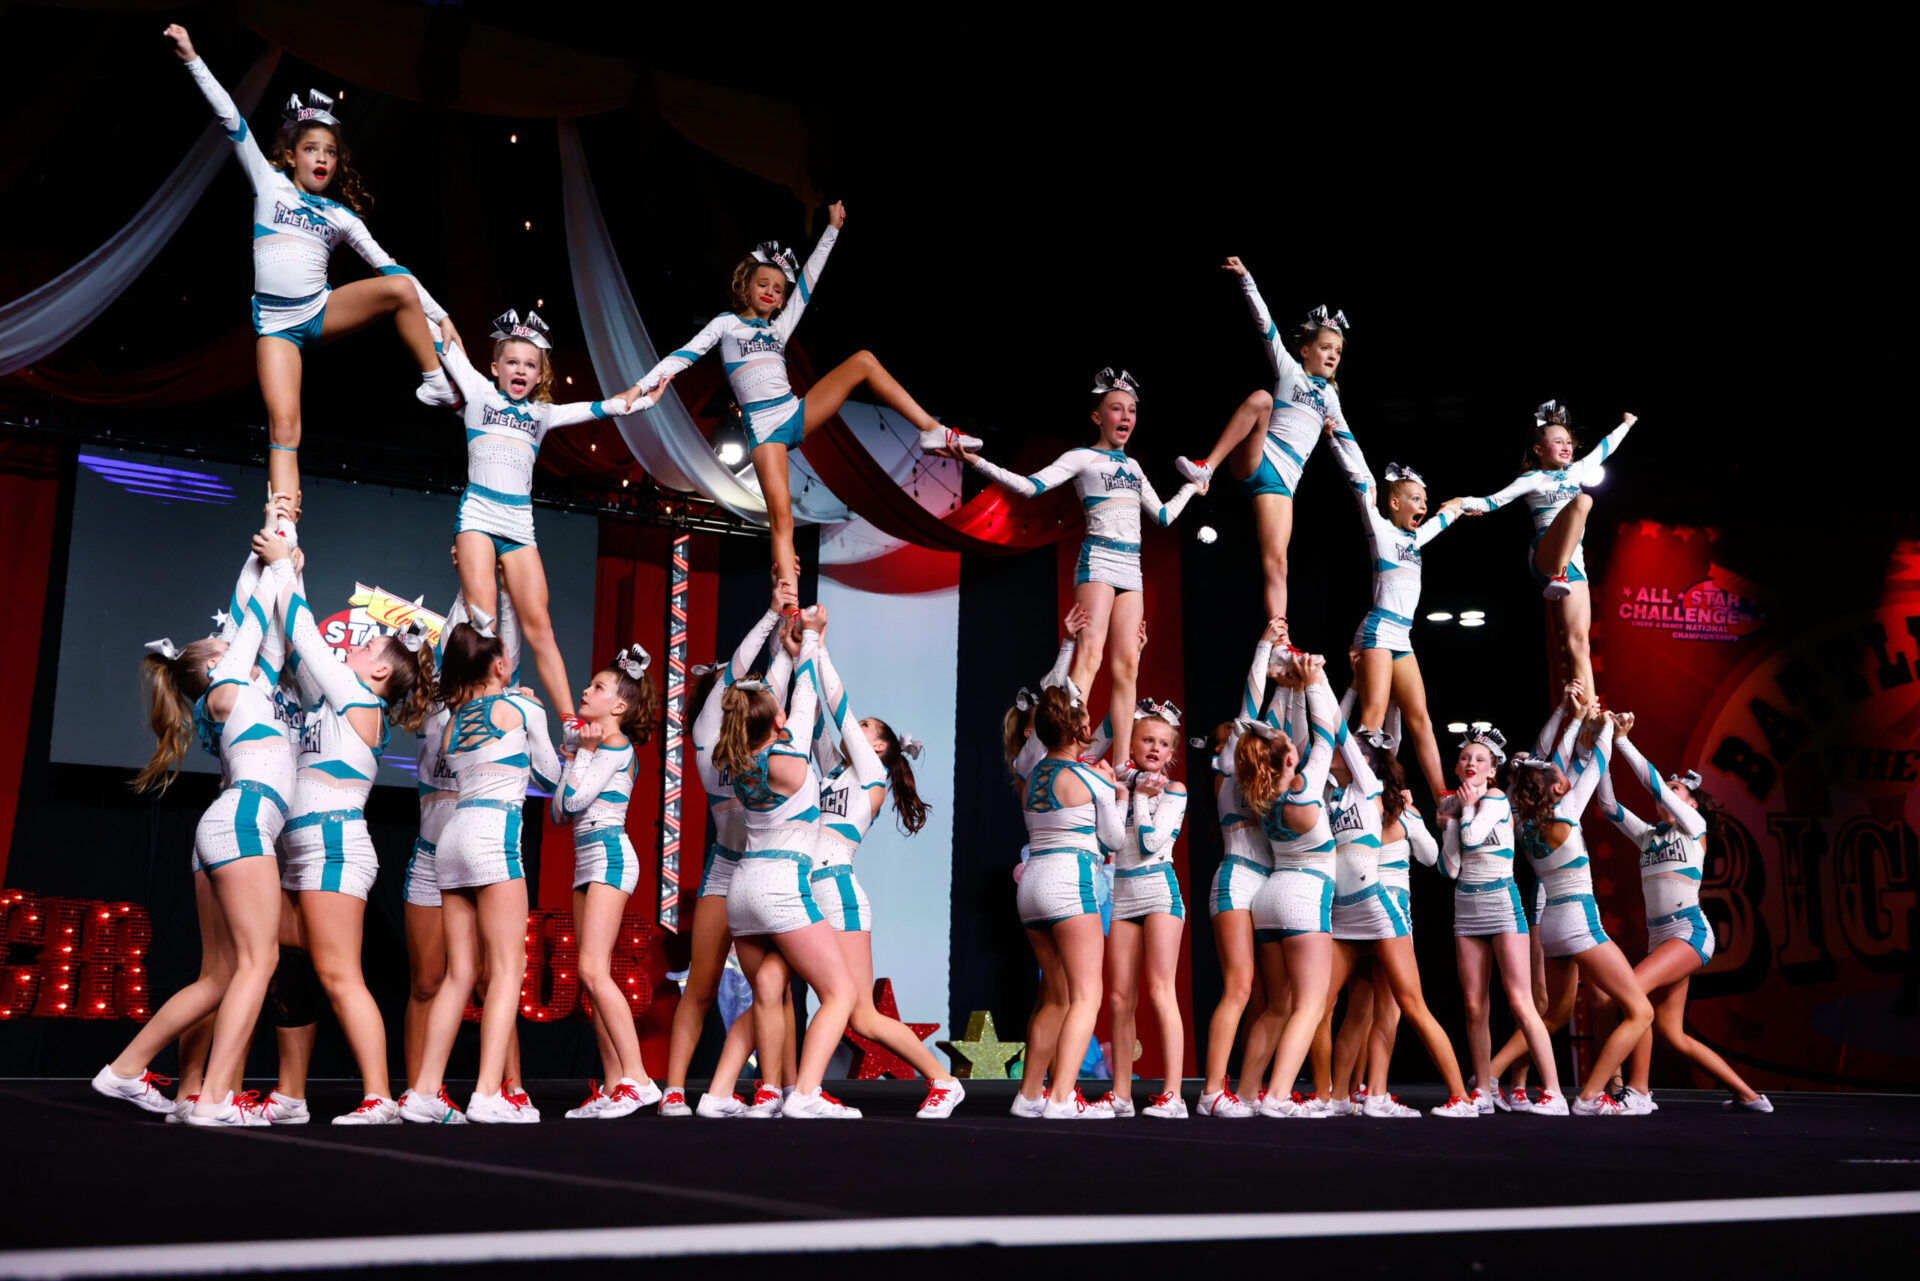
point(1058, 722)
point(642, 698)
point(740, 286)
point(345, 185)
point(1260, 767)
point(747, 717)
point(411, 687)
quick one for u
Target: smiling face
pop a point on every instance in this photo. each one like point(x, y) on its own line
point(1406, 503)
point(766, 291)
point(601, 701)
point(316, 158)
point(1116, 416)
point(1152, 747)
point(1554, 448)
point(1475, 762)
point(1321, 355)
point(517, 366)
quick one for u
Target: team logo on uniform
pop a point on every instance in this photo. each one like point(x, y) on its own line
point(762, 343)
point(835, 803)
point(1408, 553)
point(298, 219)
point(1121, 478)
point(1305, 393)
point(1669, 847)
point(1347, 819)
point(517, 419)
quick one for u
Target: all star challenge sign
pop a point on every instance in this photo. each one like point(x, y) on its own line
point(375, 611)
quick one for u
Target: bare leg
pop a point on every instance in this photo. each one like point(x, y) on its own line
point(812, 953)
point(426, 971)
point(1671, 957)
point(1555, 548)
point(249, 892)
point(1473, 956)
point(1309, 970)
point(770, 466)
point(527, 584)
point(1124, 942)
point(1394, 960)
point(1081, 946)
point(478, 566)
point(1247, 423)
point(1576, 617)
point(335, 924)
point(1049, 1012)
point(293, 1046)
point(1562, 987)
point(857, 948)
point(1373, 685)
point(1516, 977)
point(1607, 969)
point(358, 304)
point(707, 960)
point(1380, 1037)
point(1345, 957)
point(598, 915)
point(277, 364)
point(462, 935)
point(1162, 965)
point(1098, 600)
point(1410, 692)
point(501, 916)
point(1276, 1006)
point(1355, 1033)
point(831, 390)
point(1273, 521)
point(1123, 665)
point(1233, 940)
point(1542, 999)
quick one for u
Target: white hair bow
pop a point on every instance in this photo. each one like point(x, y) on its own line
point(752, 684)
point(533, 329)
point(413, 635)
point(1106, 380)
point(1073, 692)
point(1026, 699)
point(1690, 780)
point(165, 648)
point(770, 252)
point(1548, 412)
point(634, 661)
point(701, 669)
point(1397, 472)
point(319, 107)
point(911, 746)
point(1492, 739)
point(1248, 725)
point(1319, 319)
point(480, 620)
point(1530, 761)
point(1165, 711)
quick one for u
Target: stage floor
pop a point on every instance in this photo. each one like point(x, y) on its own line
point(118, 1192)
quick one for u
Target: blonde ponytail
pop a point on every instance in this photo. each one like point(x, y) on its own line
point(170, 688)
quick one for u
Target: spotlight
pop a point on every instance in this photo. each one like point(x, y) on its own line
point(731, 454)
point(528, 225)
point(1207, 534)
point(513, 137)
point(1439, 616)
point(1473, 622)
point(1599, 474)
point(1472, 613)
point(1456, 727)
point(1483, 724)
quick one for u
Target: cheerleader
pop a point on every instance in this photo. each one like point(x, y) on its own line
point(769, 292)
point(1554, 486)
point(507, 417)
point(1117, 497)
point(1489, 922)
point(213, 688)
point(1269, 437)
point(295, 231)
point(1149, 916)
point(620, 708)
point(1387, 671)
point(778, 928)
point(1679, 939)
point(496, 740)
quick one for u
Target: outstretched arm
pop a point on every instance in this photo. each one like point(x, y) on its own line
point(1525, 483)
point(751, 647)
point(789, 317)
point(1056, 473)
point(1599, 454)
point(1161, 514)
point(1685, 816)
point(224, 110)
point(1323, 716)
point(1631, 825)
point(237, 662)
point(1587, 775)
point(381, 261)
point(806, 700)
point(697, 346)
point(321, 673)
point(1277, 353)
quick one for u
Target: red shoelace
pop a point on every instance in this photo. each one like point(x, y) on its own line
point(252, 1102)
point(592, 1094)
point(935, 1094)
point(623, 1091)
point(1160, 1100)
point(518, 1098)
point(1301, 1100)
point(442, 1097)
point(152, 1079)
point(368, 1104)
point(763, 1095)
point(828, 1098)
point(1226, 1096)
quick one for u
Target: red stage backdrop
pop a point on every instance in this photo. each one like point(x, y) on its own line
point(1806, 734)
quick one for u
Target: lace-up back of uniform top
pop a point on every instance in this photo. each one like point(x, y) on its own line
point(473, 726)
point(755, 789)
point(1040, 795)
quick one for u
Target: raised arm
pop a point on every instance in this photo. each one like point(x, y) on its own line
point(1631, 825)
point(1323, 715)
point(1055, 474)
point(1161, 514)
point(1599, 454)
point(809, 280)
point(472, 383)
point(1520, 485)
point(697, 346)
point(1587, 775)
point(252, 159)
point(751, 647)
point(831, 731)
point(1277, 354)
point(1257, 678)
point(806, 700)
point(1353, 461)
point(321, 673)
point(1685, 816)
point(237, 663)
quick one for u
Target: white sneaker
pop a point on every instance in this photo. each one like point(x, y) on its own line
point(1558, 588)
point(142, 1091)
point(1115, 1104)
point(591, 1105)
point(1197, 473)
point(1167, 1106)
point(674, 1103)
point(942, 1098)
point(1480, 1100)
point(627, 1097)
point(818, 1106)
point(1077, 1109)
point(181, 1108)
point(430, 1109)
point(1520, 1100)
point(373, 1110)
point(947, 438)
point(716, 1106)
point(1224, 1104)
point(1759, 1104)
point(1549, 1104)
point(1601, 1104)
point(1343, 1107)
point(1276, 1105)
point(1457, 1107)
point(1029, 1109)
point(1636, 1103)
point(434, 389)
point(1499, 1096)
point(1314, 1104)
point(767, 1104)
point(247, 1109)
point(500, 1109)
point(1390, 1106)
point(284, 1109)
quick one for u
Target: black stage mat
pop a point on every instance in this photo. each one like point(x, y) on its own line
point(82, 1170)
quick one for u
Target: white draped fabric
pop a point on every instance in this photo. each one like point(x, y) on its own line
point(666, 439)
point(39, 324)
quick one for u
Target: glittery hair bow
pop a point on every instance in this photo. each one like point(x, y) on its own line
point(413, 635)
point(752, 684)
point(770, 252)
point(1492, 739)
point(1397, 472)
point(1551, 411)
point(911, 746)
point(1167, 712)
point(319, 107)
point(1248, 725)
point(1690, 780)
point(1530, 761)
point(165, 648)
point(1106, 380)
point(701, 669)
point(533, 329)
point(1319, 319)
point(634, 661)
point(1026, 699)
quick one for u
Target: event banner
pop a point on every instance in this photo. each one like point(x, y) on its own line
point(1805, 731)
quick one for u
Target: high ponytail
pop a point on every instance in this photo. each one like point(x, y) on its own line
point(907, 805)
point(1058, 721)
point(1260, 767)
point(170, 688)
point(411, 686)
point(746, 717)
point(642, 698)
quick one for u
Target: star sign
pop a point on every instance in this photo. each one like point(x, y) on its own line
point(982, 1056)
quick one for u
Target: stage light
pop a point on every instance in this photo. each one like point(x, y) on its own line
point(1483, 724)
point(1472, 613)
point(623, 482)
point(1207, 534)
point(1473, 622)
point(569, 380)
point(541, 302)
point(1456, 727)
point(1439, 616)
point(513, 137)
point(1599, 474)
point(528, 225)
point(731, 454)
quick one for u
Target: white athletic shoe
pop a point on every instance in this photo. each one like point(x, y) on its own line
point(434, 389)
point(1169, 1107)
point(1479, 1099)
point(142, 1091)
point(716, 1106)
point(674, 1103)
point(1299, 1107)
point(1457, 1107)
point(1225, 1104)
point(430, 1109)
point(1314, 1104)
point(1549, 1104)
point(590, 1107)
point(1499, 1097)
point(1077, 1109)
point(517, 1095)
point(1113, 1103)
point(373, 1110)
point(1197, 473)
point(942, 1098)
point(1558, 588)
point(1636, 1103)
point(284, 1109)
point(1520, 1100)
point(767, 1104)
point(1759, 1104)
point(181, 1108)
point(1029, 1109)
point(1601, 1104)
point(818, 1106)
point(1389, 1106)
point(1343, 1107)
point(500, 1109)
point(947, 438)
point(627, 1097)
point(247, 1109)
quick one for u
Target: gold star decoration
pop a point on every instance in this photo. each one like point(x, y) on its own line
point(982, 1056)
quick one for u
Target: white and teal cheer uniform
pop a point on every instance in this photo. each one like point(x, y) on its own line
point(1396, 557)
point(771, 891)
point(294, 233)
point(1569, 916)
point(1302, 403)
point(754, 352)
point(1066, 842)
point(1144, 881)
point(724, 811)
point(1548, 492)
point(1246, 860)
point(1115, 496)
point(1477, 849)
point(256, 757)
point(503, 439)
point(481, 843)
point(1298, 897)
point(1672, 859)
point(1363, 908)
point(847, 804)
point(594, 789)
